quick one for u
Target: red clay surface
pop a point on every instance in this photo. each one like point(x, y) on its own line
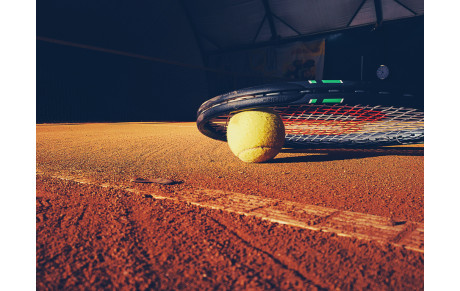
point(94, 237)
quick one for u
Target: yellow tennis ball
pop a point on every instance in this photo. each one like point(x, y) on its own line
point(255, 136)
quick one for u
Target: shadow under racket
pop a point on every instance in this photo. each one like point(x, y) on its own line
point(323, 155)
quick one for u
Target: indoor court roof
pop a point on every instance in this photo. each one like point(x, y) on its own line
point(229, 24)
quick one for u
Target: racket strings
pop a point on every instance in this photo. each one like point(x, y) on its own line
point(326, 120)
point(323, 124)
point(362, 125)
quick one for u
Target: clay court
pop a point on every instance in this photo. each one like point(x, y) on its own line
point(310, 219)
point(136, 187)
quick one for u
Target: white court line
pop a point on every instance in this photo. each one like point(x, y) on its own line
point(406, 234)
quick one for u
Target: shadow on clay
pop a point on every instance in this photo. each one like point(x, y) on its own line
point(323, 155)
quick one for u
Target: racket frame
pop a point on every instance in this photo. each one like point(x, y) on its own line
point(314, 93)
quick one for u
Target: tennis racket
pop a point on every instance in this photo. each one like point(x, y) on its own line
point(327, 113)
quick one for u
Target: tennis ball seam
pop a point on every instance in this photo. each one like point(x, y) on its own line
point(261, 147)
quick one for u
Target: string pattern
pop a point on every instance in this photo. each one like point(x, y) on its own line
point(326, 125)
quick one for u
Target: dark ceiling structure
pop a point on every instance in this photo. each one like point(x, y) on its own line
point(115, 60)
point(235, 24)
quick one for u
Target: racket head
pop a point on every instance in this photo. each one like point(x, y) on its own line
point(323, 113)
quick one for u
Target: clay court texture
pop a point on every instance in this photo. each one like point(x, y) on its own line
point(310, 219)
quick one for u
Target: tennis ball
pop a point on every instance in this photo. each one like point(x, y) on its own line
point(255, 136)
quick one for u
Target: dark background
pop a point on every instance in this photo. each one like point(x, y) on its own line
point(81, 84)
